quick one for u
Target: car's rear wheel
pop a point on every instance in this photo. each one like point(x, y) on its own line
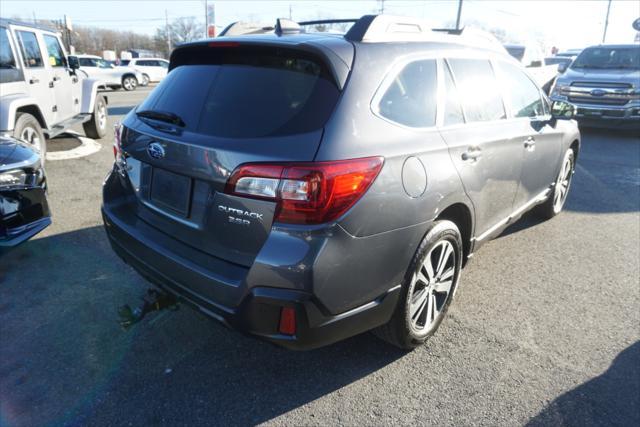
point(555, 202)
point(129, 83)
point(96, 128)
point(28, 129)
point(430, 284)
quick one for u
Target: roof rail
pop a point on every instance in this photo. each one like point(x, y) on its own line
point(329, 21)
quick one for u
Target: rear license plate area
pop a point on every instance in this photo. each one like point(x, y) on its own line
point(170, 191)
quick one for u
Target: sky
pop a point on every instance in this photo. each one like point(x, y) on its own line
point(562, 23)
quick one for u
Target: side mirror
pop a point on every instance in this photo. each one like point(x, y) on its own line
point(561, 110)
point(562, 67)
point(74, 63)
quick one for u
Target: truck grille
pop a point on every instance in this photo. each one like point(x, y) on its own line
point(608, 85)
point(597, 100)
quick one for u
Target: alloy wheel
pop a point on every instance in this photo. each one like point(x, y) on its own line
point(433, 285)
point(31, 136)
point(563, 183)
point(102, 115)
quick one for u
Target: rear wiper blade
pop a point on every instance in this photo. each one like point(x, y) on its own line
point(163, 116)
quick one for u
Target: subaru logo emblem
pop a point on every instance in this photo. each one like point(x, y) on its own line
point(155, 150)
point(598, 92)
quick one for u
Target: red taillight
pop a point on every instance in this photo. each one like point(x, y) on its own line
point(287, 321)
point(307, 193)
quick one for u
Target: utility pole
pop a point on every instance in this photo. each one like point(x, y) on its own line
point(290, 14)
point(606, 22)
point(206, 20)
point(166, 29)
point(459, 14)
point(35, 21)
point(381, 7)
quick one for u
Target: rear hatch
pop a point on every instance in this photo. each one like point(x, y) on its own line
point(222, 105)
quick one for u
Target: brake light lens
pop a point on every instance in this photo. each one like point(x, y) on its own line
point(117, 147)
point(307, 193)
point(287, 324)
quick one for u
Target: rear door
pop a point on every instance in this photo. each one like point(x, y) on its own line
point(37, 75)
point(483, 148)
point(238, 105)
point(540, 141)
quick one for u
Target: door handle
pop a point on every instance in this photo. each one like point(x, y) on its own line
point(530, 143)
point(473, 153)
point(34, 81)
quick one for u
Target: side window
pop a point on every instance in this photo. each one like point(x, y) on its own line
point(478, 88)
point(87, 62)
point(411, 98)
point(523, 95)
point(56, 57)
point(30, 49)
point(452, 108)
point(7, 60)
point(164, 64)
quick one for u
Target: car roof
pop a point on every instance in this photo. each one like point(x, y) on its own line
point(615, 46)
point(145, 58)
point(6, 21)
point(84, 55)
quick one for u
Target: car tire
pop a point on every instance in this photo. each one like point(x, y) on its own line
point(129, 83)
point(27, 128)
point(145, 80)
point(424, 300)
point(96, 128)
point(560, 191)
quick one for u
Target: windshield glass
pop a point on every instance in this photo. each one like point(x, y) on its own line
point(608, 58)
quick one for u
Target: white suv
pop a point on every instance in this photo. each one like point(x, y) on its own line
point(41, 93)
point(152, 69)
point(109, 75)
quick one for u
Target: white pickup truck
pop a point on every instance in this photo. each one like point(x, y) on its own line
point(534, 61)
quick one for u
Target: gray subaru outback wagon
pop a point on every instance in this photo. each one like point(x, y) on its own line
point(306, 187)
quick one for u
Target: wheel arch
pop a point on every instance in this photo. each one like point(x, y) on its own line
point(125, 75)
point(462, 216)
point(11, 105)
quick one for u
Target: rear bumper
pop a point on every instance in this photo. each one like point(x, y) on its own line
point(258, 312)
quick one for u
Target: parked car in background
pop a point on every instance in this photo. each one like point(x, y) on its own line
point(561, 61)
point(305, 188)
point(24, 210)
point(152, 69)
point(41, 92)
point(532, 58)
point(569, 53)
point(603, 82)
point(109, 75)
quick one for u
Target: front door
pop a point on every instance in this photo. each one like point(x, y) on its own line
point(37, 75)
point(66, 98)
point(539, 141)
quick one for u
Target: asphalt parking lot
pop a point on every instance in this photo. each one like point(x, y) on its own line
point(545, 328)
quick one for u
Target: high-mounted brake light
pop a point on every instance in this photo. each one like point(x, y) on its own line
point(224, 44)
point(307, 193)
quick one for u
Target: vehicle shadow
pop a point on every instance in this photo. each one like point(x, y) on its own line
point(613, 398)
point(65, 360)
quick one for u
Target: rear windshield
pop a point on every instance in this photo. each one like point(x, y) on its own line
point(246, 93)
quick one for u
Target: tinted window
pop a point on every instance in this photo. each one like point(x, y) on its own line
point(144, 63)
point(478, 88)
point(452, 109)
point(56, 57)
point(248, 92)
point(7, 59)
point(30, 49)
point(411, 98)
point(124, 62)
point(87, 62)
point(523, 95)
point(608, 57)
